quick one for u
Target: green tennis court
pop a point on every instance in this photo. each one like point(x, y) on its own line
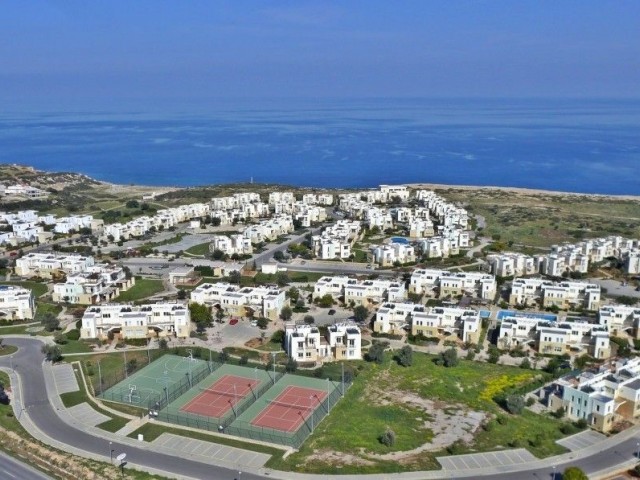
point(155, 382)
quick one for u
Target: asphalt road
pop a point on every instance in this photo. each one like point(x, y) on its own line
point(10, 468)
point(27, 363)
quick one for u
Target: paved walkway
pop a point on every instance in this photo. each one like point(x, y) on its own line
point(65, 378)
point(211, 451)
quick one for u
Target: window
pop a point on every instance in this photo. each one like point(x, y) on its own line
point(299, 354)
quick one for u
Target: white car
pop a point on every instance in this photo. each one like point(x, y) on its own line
point(254, 323)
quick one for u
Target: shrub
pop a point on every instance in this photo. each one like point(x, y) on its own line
point(405, 356)
point(448, 358)
point(291, 365)
point(530, 401)
point(471, 354)
point(526, 364)
point(244, 359)
point(388, 438)
point(375, 353)
point(574, 473)
point(514, 404)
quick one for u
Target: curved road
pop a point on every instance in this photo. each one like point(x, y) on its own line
point(27, 362)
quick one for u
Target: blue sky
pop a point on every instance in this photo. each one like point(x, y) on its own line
point(161, 51)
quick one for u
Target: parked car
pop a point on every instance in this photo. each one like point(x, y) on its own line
point(332, 312)
point(254, 323)
point(233, 321)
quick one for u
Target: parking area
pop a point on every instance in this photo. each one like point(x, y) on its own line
point(86, 415)
point(486, 460)
point(581, 440)
point(65, 379)
point(211, 452)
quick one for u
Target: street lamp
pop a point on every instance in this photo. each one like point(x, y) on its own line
point(111, 451)
point(553, 477)
point(638, 449)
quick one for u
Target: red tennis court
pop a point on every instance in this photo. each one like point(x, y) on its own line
point(217, 399)
point(289, 410)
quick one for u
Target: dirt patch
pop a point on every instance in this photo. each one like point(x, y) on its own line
point(338, 458)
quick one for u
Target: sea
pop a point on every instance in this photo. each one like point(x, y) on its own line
point(576, 145)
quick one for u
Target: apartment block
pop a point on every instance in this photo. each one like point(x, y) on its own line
point(388, 255)
point(16, 303)
point(304, 343)
point(546, 293)
point(511, 264)
point(136, 321)
point(47, 264)
point(97, 284)
point(445, 283)
point(620, 318)
point(231, 245)
point(265, 301)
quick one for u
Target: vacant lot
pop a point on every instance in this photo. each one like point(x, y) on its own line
point(431, 409)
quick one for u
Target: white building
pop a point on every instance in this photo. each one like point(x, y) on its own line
point(136, 321)
point(47, 264)
point(360, 292)
point(232, 245)
point(241, 301)
point(564, 295)
point(445, 283)
point(388, 255)
point(99, 283)
point(304, 343)
point(16, 303)
point(620, 318)
point(511, 264)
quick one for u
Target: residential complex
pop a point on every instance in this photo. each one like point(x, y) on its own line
point(547, 293)
point(16, 303)
point(443, 283)
point(429, 321)
point(241, 301)
point(231, 245)
point(359, 292)
point(304, 343)
point(136, 321)
point(96, 284)
point(601, 397)
point(50, 264)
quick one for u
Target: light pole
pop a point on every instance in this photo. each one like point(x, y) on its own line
point(328, 395)
point(274, 367)
point(638, 449)
point(311, 410)
point(554, 473)
point(111, 452)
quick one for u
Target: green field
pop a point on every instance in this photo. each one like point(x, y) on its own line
point(372, 405)
point(143, 288)
point(200, 250)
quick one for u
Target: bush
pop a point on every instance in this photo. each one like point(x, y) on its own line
point(494, 354)
point(471, 354)
point(405, 356)
point(291, 365)
point(530, 402)
point(574, 473)
point(244, 359)
point(448, 358)
point(515, 404)
point(388, 438)
point(375, 353)
point(277, 337)
point(526, 364)
point(50, 322)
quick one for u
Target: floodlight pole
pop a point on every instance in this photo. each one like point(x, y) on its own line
point(328, 395)
point(148, 349)
point(100, 376)
point(188, 379)
point(166, 395)
point(274, 367)
point(124, 352)
point(111, 451)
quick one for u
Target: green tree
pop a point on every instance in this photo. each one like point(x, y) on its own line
point(388, 438)
point(405, 356)
point(200, 314)
point(163, 344)
point(448, 358)
point(376, 353)
point(234, 277)
point(282, 279)
point(494, 354)
point(291, 365)
point(220, 315)
point(217, 254)
point(309, 320)
point(263, 323)
point(525, 363)
point(223, 356)
point(514, 404)
point(293, 293)
point(360, 313)
point(325, 301)
point(50, 322)
point(278, 255)
point(286, 313)
point(52, 353)
point(182, 294)
point(574, 473)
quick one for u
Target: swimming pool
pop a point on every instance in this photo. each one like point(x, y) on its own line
point(400, 240)
point(512, 313)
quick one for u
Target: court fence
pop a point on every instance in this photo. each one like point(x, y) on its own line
point(157, 401)
point(170, 414)
point(295, 439)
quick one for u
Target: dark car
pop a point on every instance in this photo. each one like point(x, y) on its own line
point(332, 312)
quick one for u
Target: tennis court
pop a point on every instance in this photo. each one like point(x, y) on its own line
point(290, 409)
point(155, 382)
point(217, 399)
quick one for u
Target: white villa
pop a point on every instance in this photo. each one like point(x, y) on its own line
point(428, 282)
point(47, 264)
point(136, 321)
point(16, 303)
point(241, 301)
point(304, 343)
point(564, 295)
point(97, 284)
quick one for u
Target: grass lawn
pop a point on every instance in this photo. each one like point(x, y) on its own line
point(75, 346)
point(143, 288)
point(371, 406)
point(37, 288)
point(7, 350)
point(44, 308)
point(201, 249)
point(239, 352)
point(7, 419)
point(113, 425)
point(13, 330)
point(151, 431)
